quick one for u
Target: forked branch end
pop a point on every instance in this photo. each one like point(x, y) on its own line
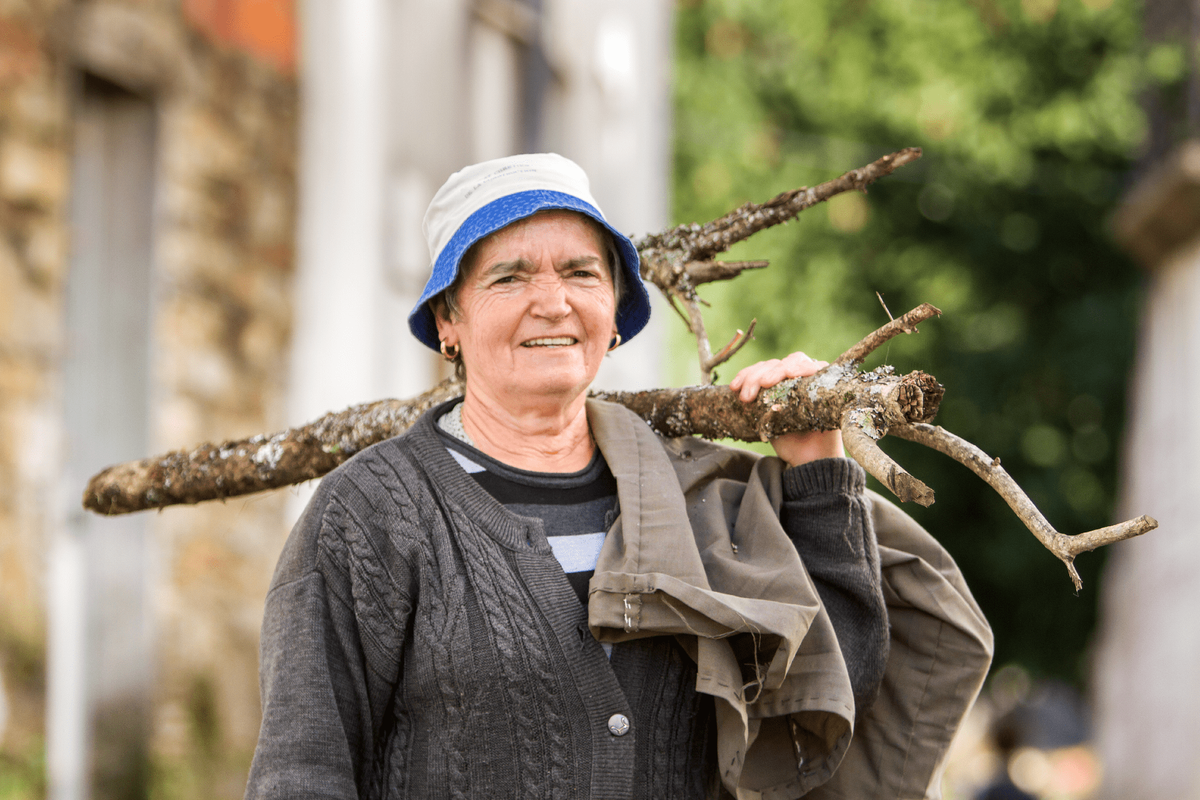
point(1063, 546)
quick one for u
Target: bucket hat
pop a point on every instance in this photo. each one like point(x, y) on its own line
point(479, 200)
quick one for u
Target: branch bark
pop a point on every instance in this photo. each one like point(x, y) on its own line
point(245, 466)
point(1064, 546)
point(680, 259)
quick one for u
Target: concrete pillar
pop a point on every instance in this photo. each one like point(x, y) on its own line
point(100, 650)
point(1146, 689)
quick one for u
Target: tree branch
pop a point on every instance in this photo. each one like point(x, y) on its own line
point(700, 272)
point(730, 350)
point(696, 326)
point(864, 406)
point(680, 259)
point(702, 242)
point(230, 469)
point(244, 466)
point(903, 324)
point(859, 434)
point(1065, 547)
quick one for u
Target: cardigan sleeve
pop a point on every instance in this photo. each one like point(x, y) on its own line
point(824, 513)
point(311, 736)
point(322, 701)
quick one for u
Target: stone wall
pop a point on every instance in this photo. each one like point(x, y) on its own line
point(225, 95)
point(34, 159)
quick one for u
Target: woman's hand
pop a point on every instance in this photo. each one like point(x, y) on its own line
point(794, 448)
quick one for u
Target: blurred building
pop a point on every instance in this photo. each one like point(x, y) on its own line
point(1145, 682)
point(211, 227)
point(1145, 679)
point(147, 205)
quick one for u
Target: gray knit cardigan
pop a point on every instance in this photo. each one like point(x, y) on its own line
point(420, 641)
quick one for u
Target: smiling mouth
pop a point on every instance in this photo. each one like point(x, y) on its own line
point(556, 341)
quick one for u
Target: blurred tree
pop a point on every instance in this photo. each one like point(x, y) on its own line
point(1028, 113)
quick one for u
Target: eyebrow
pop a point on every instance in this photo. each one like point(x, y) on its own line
point(507, 267)
point(584, 261)
point(525, 265)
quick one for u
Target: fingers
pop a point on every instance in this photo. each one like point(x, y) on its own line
point(766, 374)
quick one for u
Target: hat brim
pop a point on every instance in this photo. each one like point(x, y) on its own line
point(633, 312)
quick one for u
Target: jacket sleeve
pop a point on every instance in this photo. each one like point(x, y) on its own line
point(825, 514)
point(322, 701)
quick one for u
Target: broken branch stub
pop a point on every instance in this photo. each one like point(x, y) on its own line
point(244, 466)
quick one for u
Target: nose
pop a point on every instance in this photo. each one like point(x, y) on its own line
point(550, 298)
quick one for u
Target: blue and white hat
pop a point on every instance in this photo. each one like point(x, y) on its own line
point(481, 199)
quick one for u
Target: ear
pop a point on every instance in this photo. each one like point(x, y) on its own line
point(441, 316)
point(445, 327)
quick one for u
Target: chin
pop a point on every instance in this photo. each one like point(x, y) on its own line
point(565, 383)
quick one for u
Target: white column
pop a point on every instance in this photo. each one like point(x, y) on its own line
point(1145, 674)
point(100, 642)
point(611, 113)
point(66, 675)
point(336, 350)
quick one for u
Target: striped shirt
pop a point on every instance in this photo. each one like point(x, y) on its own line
point(576, 508)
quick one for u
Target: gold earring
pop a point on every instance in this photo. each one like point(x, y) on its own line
point(616, 342)
point(449, 352)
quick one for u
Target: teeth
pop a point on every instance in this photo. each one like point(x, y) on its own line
point(557, 341)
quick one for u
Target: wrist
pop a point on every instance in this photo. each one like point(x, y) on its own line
point(803, 448)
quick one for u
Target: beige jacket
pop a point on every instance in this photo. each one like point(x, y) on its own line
point(698, 552)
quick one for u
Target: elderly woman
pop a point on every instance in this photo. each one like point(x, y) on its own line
point(530, 594)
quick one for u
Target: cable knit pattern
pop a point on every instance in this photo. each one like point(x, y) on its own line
point(674, 760)
point(523, 657)
point(439, 561)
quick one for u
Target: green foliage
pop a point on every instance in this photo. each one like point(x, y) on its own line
point(207, 768)
point(1028, 116)
point(23, 775)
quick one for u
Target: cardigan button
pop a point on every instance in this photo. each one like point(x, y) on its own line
point(618, 724)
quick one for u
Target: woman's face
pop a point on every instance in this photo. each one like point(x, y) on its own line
point(537, 310)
